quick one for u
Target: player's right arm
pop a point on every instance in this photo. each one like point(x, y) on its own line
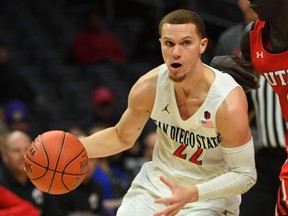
point(124, 134)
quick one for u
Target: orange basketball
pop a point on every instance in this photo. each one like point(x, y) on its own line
point(56, 162)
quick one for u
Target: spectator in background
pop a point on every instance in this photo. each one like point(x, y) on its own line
point(149, 142)
point(114, 182)
point(17, 116)
point(111, 177)
point(12, 205)
point(270, 151)
point(103, 108)
point(12, 84)
point(141, 152)
point(94, 45)
point(3, 130)
point(133, 159)
point(14, 179)
point(87, 199)
point(147, 46)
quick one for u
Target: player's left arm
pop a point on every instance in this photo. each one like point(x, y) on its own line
point(232, 121)
point(238, 149)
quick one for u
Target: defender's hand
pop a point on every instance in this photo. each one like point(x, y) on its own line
point(242, 71)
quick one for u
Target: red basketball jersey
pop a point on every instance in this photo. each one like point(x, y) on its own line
point(272, 65)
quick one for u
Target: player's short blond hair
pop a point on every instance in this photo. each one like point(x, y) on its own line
point(182, 16)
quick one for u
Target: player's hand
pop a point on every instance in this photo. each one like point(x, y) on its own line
point(242, 71)
point(180, 197)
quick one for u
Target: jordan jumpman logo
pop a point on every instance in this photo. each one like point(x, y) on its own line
point(166, 109)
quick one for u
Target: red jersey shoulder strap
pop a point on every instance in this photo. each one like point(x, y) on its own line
point(258, 24)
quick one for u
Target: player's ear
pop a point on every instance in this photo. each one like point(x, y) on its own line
point(203, 45)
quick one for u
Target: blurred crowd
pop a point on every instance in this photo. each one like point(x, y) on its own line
point(100, 40)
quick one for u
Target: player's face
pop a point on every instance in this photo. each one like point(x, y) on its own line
point(268, 10)
point(181, 49)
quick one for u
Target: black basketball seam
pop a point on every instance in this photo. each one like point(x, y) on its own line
point(33, 143)
point(71, 162)
point(71, 174)
point(46, 168)
point(46, 154)
point(58, 159)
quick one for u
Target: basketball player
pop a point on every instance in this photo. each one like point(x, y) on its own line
point(270, 128)
point(264, 49)
point(204, 156)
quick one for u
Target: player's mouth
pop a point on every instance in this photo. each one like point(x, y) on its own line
point(176, 65)
point(175, 68)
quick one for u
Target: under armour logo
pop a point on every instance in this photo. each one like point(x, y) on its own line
point(259, 55)
point(166, 109)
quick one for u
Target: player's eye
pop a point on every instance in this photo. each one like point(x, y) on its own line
point(187, 43)
point(169, 43)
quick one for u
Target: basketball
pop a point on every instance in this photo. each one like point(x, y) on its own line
point(56, 162)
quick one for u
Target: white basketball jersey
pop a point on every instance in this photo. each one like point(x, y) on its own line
point(189, 150)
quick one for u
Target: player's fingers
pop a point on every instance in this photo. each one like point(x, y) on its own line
point(171, 210)
point(244, 78)
point(169, 183)
point(242, 62)
point(166, 201)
